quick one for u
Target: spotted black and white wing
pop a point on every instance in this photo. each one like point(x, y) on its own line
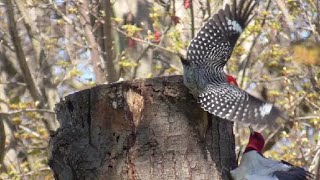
point(214, 43)
point(231, 103)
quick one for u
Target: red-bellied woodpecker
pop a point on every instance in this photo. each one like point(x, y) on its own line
point(254, 166)
point(207, 55)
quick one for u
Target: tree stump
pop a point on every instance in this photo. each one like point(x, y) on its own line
point(145, 129)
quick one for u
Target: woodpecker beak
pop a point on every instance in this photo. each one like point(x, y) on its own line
point(251, 130)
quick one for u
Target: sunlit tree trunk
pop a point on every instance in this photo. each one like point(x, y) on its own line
point(145, 129)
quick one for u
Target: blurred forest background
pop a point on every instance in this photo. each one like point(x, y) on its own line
point(51, 48)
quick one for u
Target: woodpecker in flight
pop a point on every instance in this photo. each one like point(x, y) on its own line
point(207, 55)
point(254, 166)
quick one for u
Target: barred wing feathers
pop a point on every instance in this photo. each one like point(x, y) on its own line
point(230, 102)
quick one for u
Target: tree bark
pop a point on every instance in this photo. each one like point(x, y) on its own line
point(145, 129)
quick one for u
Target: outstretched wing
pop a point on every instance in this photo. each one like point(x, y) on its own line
point(215, 41)
point(231, 103)
point(293, 173)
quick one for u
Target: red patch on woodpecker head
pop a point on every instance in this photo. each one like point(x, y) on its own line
point(256, 142)
point(231, 80)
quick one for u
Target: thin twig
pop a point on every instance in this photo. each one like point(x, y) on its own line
point(5, 43)
point(203, 10)
point(318, 171)
point(209, 8)
point(166, 30)
point(147, 42)
point(30, 173)
point(13, 83)
point(309, 20)
point(303, 158)
point(318, 29)
point(138, 60)
point(168, 64)
point(307, 117)
point(20, 54)
point(282, 6)
point(55, 8)
point(270, 141)
point(313, 80)
point(9, 113)
point(279, 78)
point(28, 130)
point(314, 166)
point(253, 44)
point(313, 104)
point(192, 18)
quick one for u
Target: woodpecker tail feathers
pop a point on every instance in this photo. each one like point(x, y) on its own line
point(293, 172)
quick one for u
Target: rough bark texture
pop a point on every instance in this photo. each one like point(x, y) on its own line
point(145, 129)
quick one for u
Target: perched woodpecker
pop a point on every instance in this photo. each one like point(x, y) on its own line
point(207, 55)
point(254, 166)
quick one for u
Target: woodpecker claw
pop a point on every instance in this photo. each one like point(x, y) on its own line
point(251, 130)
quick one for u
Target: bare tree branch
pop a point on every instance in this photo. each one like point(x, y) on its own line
point(148, 47)
point(55, 8)
point(30, 173)
point(9, 113)
point(32, 29)
point(93, 44)
point(112, 74)
point(28, 130)
point(4, 42)
point(192, 19)
point(2, 141)
point(284, 9)
point(312, 103)
point(315, 163)
point(253, 44)
point(34, 91)
point(208, 7)
point(149, 43)
point(15, 83)
point(307, 117)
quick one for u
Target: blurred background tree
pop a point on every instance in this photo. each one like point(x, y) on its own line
point(51, 48)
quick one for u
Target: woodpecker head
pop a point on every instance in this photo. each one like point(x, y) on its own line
point(256, 141)
point(231, 80)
